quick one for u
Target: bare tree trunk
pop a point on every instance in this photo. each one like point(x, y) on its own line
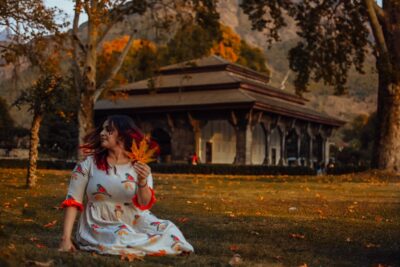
point(384, 23)
point(86, 112)
point(85, 117)
point(387, 148)
point(33, 151)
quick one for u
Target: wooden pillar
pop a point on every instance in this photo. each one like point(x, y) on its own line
point(244, 135)
point(283, 157)
point(267, 160)
point(325, 134)
point(310, 153)
point(196, 133)
point(244, 138)
point(298, 149)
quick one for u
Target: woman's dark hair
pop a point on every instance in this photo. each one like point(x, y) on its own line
point(127, 132)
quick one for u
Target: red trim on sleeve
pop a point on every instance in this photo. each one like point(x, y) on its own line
point(71, 203)
point(144, 207)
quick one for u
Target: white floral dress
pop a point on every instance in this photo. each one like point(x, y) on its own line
point(112, 220)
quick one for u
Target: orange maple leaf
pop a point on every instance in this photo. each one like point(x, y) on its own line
point(143, 152)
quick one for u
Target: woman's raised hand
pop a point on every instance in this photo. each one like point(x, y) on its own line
point(143, 170)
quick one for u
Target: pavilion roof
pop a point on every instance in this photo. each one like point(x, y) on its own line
point(211, 83)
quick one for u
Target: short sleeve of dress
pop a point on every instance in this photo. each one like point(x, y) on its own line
point(77, 185)
point(150, 181)
point(152, 199)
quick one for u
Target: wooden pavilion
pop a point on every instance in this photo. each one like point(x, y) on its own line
point(224, 112)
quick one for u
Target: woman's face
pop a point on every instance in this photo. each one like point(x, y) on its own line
point(109, 136)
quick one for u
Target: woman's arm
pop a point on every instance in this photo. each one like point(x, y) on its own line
point(145, 194)
point(69, 220)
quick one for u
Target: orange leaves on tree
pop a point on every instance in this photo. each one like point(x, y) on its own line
point(111, 50)
point(229, 47)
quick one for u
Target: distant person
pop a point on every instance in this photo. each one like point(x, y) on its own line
point(195, 159)
point(116, 215)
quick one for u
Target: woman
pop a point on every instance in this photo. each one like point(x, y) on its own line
point(116, 217)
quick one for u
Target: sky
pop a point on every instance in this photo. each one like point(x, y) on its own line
point(68, 7)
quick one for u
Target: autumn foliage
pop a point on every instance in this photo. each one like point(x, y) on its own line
point(145, 57)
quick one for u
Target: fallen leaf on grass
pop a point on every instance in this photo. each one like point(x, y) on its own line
point(40, 263)
point(372, 245)
point(50, 224)
point(254, 233)
point(28, 220)
point(378, 219)
point(320, 212)
point(130, 257)
point(235, 260)
point(297, 236)
point(303, 265)
point(11, 246)
point(40, 246)
point(33, 239)
point(233, 248)
point(278, 258)
point(292, 209)
point(183, 220)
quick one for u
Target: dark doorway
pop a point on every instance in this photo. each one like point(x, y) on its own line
point(273, 156)
point(164, 141)
point(208, 152)
point(317, 148)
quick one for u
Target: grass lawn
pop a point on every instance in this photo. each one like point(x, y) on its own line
point(269, 221)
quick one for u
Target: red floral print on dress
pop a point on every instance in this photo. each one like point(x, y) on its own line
point(101, 193)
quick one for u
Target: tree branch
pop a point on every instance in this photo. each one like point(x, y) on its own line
point(104, 86)
point(78, 41)
point(77, 69)
point(379, 12)
point(104, 34)
point(378, 34)
point(117, 14)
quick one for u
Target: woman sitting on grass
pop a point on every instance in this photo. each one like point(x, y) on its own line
point(119, 190)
